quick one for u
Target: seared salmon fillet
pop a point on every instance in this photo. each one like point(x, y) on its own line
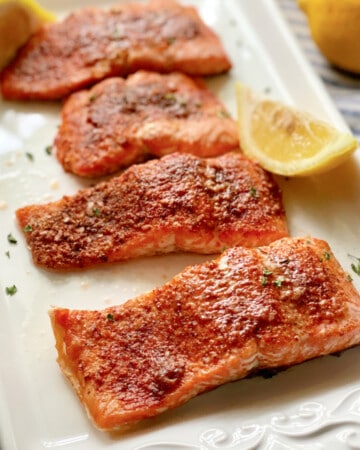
point(248, 310)
point(119, 122)
point(92, 44)
point(178, 202)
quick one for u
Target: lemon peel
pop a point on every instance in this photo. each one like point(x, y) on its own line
point(287, 141)
point(18, 20)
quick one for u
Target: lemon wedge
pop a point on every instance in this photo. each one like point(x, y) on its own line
point(18, 20)
point(287, 141)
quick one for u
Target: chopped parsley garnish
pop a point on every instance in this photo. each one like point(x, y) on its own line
point(27, 228)
point(349, 277)
point(110, 317)
point(7, 254)
point(170, 96)
point(11, 290)
point(223, 114)
point(278, 283)
point(11, 239)
point(325, 257)
point(48, 149)
point(253, 192)
point(29, 156)
point(96, 212)
point(264, 279)
point(356, 268)
point(355, 265)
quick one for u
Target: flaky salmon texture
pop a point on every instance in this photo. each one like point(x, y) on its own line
point(250, 309)
point(177, 203)
point(122, 121)
point(92, 44)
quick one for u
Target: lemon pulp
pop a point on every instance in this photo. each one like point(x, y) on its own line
point(287, 141)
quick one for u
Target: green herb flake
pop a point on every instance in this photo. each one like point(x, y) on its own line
point(349, 277)
point(355, 266)
point(11, 290)
point(11, 239)
point(223, 114)
point(325, 257)
point(170, 96)
point(29, 156)
point(96, 212)
point(27, 228)
point(171, 40)
point(264, 281)
point(110, 317)
point(253, 192)
point(267, 272)
point(48, 149)
point(7, 254)
point(278, 283)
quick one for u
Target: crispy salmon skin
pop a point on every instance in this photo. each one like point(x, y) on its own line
point(119, 122)
point(178, 202)
point(92, 44)
point(248, 310)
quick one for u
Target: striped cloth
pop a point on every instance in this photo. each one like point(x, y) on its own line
point(343, 88)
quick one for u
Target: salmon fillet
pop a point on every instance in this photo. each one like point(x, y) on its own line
point(92, 44)
point(178, 202)
point(119, 122)
point(248, 310)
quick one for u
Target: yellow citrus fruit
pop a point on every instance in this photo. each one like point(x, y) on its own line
point(287, 141)
point(18, 20)
point(335, 28)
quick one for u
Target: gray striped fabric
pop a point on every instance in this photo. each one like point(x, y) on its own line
point(343, 88)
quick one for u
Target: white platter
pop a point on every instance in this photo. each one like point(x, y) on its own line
point(312, 406)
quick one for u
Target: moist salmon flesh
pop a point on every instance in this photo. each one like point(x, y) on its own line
point(248, 310)
point(93, 43)
point(176, 203)
point(121, 121)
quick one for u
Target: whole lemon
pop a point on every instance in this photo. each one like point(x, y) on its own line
point(335, 28)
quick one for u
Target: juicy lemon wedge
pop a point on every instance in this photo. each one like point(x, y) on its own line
point(287, 141)
point(18, 20)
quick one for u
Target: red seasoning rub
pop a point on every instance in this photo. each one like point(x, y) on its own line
point(249, 310)
point(92, 44)
point(179, 202)
point(119, 122)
